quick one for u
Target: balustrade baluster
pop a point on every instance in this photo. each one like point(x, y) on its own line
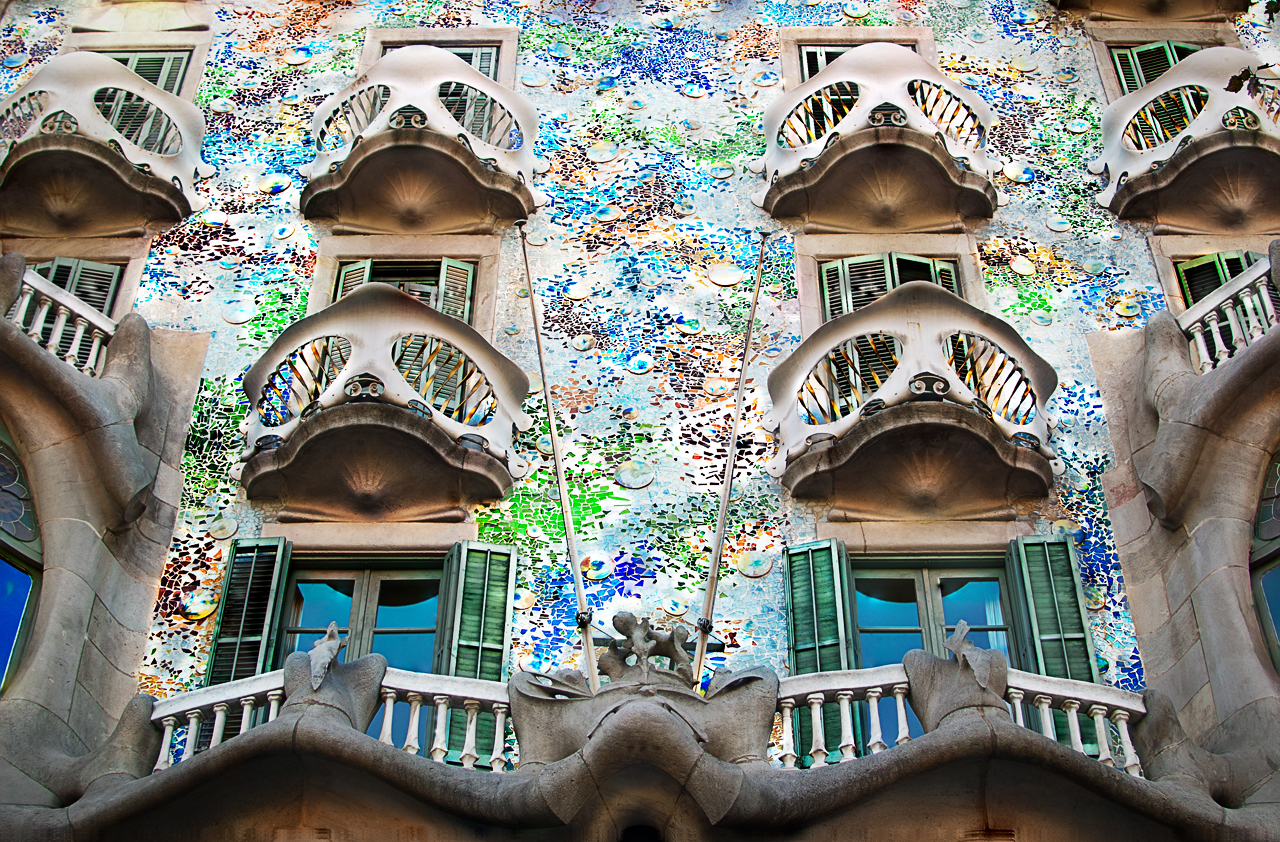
point(1239, 331)
point(900, 697)
point(91, 366)
point(788, 741)
point(1131, 763)
point(1099, 715)
point(194, 718)
point(1072, 709)
point(1046, 717)
point(388, 707)
point(275, 697)
point(247, 704)
point(1222, 353)
point(1252, 314)
point(415, 712)
point(59, 324)
point(219, 723)
point(1268, 309)
point(848, 748)
point(166, 743)
point(876, 744)
point(42, 312)
point(818, 747)
point(1197, 339)
point(20, 310)
point(73, 350)
point(498, 760)
point(1015, 701)
point(469, 756)
point(439, 741)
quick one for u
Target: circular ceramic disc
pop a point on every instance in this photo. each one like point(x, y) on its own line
point(634, 475)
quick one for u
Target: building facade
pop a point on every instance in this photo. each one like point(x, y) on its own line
point(622, 420)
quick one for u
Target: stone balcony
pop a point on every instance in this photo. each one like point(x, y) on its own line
point(879, 141)
point(1232, 318)
point(379, 408)
point(918, 406)
point(93, 149)
point(1191, 155)
point(422, 143)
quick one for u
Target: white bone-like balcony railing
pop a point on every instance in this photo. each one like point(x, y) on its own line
point(212, 715)
point(62, 324)
point(378, 344)
point(1031, 699)
point(1142, 130)
point(94, 96)
point(1232, 317)
point(918, 342)
point(871, 86)
point(422, 87)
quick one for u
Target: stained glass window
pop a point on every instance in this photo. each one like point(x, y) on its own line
point(17, 515)
point(19, 557)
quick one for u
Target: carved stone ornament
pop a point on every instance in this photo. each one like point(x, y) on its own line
point(973, 680)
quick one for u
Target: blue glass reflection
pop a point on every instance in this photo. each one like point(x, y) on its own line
point(407, 603)
point(886, 602)
point(15, 588)
point(319, 603)
point(976, 601)
point(412, 651)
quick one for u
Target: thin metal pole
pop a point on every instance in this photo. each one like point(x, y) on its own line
point(571, 541)
point(726, 489)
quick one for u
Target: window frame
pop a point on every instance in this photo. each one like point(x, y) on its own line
point(1264, 559)
point(792, 38)
point(1169, 249)
point(813, 250)
point(27, 557)
point(482, 250)
point(505, 38)
point(1103, 35)
point(196, 42)
point(129, 252)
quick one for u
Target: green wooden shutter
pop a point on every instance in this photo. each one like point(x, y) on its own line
point(1200, 277)
point(909, 267)
point(1044, 582)
point(350, 276)
point(945, 276)
point(457, 281)
point(817, 612)
point(93, 283)
point(248, 610)
point(473, 640)
point(1142, 65)
point(165, 69)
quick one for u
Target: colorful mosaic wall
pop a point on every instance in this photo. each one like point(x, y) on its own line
point(644, 256)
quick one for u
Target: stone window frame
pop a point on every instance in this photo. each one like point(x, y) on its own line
point(1103, 35)
point(197, 42)
point(812, 250)
point(1166, 248)
point(482, 249)
point(131, 252)
point(505, 38)
point(792, 38)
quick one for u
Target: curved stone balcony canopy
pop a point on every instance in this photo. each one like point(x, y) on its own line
point(381, 408)
point(423, 143)
point(1192, 155)
point(880, 140)
point(93, 149)
point(917, 403)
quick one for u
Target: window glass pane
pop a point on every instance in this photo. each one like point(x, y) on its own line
point(15, 588)
point(879, 648)
point(988, 640)
point(407, 603)
point(317, 604)
point(886, 602)
point(976, 601)
point(406, 650)
point(1271, 593)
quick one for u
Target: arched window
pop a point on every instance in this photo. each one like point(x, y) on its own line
point(20, 556)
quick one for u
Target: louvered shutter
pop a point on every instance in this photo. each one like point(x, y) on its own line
point(849, 285)
point(93, 283)
point(457, 280)
point(1142, 65)
point(1044, 581)
point(165, 70)
point(350, 276)
point(817, 616)
point(909, 267)
point(476, 605)
point(1200, 277)
point(945, 276)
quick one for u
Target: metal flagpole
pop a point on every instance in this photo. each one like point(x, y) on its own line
point(571, 541)
point(713, 570)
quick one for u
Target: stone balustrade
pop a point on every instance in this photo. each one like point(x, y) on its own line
point(379, 345)
point(918, 342)
point(92, 95)
point(872, 86)
point(62, 324)
point(424, 87)
point(1231, 318)
point(1031, 698)
point(1145, 129)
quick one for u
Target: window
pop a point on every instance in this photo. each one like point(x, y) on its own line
point(1198, 277)
point(483, 58)
point(95, 284)
point(814, 58)
point(20, 555)
point(857, 612)
point(425, 612)
point(1131, 54)
point(163, 68)
point(806, 50)
point(172, 59)
point(1265, 560)
point(489, 49)
point(855, 282)
point(1139, 66)
point(420, 278)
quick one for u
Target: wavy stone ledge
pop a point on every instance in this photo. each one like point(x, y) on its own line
point(1224, 183)
point(921, 461)
point(882, 180)
point(62, 185)
point(415, 181)
point(373, 462)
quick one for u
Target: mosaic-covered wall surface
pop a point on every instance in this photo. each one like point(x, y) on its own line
point(650, 116)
